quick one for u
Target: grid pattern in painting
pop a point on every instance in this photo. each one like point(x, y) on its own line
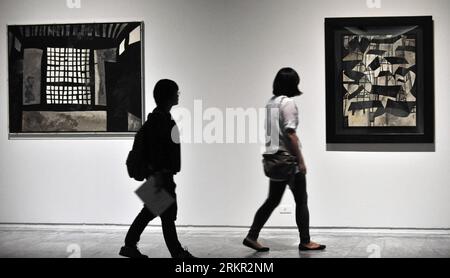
point(68, 76)
point(69, 95)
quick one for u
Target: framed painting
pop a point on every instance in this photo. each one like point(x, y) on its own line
point(379, 80)
point(75, 80)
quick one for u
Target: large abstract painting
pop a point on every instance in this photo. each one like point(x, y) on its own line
point(75, 79)
point(379, 80)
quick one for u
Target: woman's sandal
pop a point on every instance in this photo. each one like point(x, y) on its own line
point(254, 245)
point(304, 248)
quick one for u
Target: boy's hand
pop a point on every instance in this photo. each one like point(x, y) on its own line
point(159, 180)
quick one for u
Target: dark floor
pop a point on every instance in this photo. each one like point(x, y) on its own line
point(31, 241)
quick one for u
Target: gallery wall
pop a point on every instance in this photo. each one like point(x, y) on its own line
point(226, 53)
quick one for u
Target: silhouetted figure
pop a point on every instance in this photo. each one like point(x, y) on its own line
point(286, 122)
point(163, 155)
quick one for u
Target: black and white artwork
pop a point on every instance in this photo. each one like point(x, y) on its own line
point(379, 80)
point(75, 79)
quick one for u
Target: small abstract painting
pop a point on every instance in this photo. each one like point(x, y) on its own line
point(75, 79)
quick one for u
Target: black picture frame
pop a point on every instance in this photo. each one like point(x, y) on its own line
point(411, 103)
point(73, 80)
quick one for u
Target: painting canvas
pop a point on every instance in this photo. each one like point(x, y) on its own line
point(75, 79)
point(379, 80)
point(379, 77)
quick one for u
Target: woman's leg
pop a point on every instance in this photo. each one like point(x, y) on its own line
point(276, 190)
point(298, 188)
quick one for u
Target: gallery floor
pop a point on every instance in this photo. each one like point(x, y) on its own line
point(47, 241)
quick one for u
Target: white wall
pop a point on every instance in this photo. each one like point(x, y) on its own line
point(226, 52)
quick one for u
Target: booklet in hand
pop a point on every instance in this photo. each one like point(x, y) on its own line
point(157, 200)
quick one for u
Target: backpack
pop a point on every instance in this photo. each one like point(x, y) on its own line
point(137, 165)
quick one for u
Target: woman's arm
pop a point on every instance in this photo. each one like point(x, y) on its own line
point(295, 149)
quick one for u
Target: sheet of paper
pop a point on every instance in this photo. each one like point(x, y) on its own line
point(156, 200)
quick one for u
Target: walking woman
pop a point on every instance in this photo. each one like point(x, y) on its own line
point(283, 161)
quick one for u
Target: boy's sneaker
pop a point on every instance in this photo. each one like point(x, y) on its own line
point(132, 252)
